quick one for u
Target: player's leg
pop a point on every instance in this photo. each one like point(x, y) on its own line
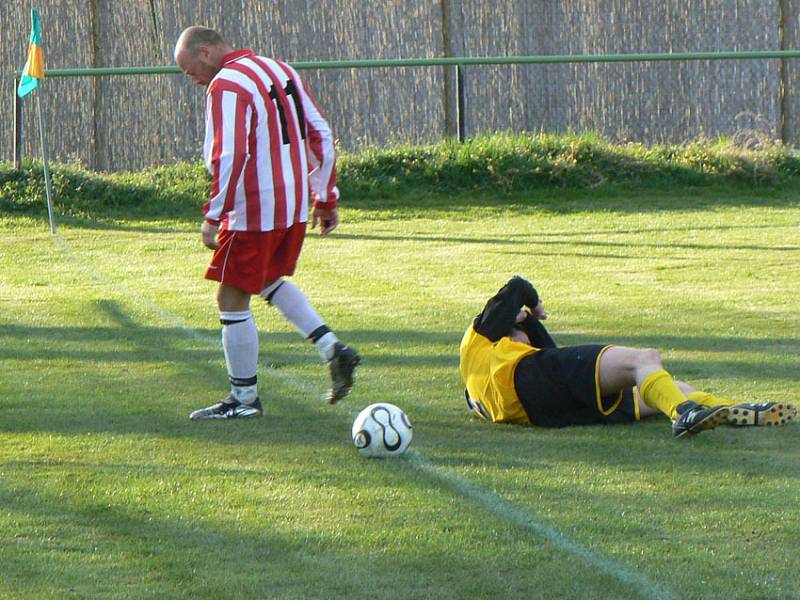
point(240, 346)
point(621, 367)
point(238, 267)
point(703, 398)
point(297, 309)
point(559, 387)
point(239, 342)
point(645, 410)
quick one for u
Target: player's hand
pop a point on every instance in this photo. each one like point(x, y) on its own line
point(538, 312)
point(209, 233)
point(328, 219)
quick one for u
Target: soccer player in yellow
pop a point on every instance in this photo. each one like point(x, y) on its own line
point(513, 372)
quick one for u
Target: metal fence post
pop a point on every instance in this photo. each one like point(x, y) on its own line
point(453, 44)
point(17, 127)
point(460, 102)
point(784, 75)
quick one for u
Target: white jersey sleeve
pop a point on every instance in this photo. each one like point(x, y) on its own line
point(225, 148)
point(321, 155)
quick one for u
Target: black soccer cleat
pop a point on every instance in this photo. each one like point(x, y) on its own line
point(230, 408)
point(765, 414)
point(342, 368)
point(693, 418)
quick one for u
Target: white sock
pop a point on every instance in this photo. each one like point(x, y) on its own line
point(245, 394)
point(325, 345)
point(240, 344)
point(295, 307)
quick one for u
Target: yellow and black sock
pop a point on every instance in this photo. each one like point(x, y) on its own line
point(660, 391)
point(707, 399)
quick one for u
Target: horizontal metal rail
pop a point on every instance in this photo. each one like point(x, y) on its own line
point(457, 61)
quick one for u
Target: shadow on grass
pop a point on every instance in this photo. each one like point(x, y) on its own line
point(97, 361)
point(534, 240)
point(101, 548)
point(634, 448)
point(574, 239)
point(97, 387)
point(123, 224)
point(167, 345)
point(625, 199)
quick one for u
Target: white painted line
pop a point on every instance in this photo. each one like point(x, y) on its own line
point(525, 520)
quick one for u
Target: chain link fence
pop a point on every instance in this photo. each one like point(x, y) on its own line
point(130, 122)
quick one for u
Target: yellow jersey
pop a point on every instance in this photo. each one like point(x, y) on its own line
point(487, 372)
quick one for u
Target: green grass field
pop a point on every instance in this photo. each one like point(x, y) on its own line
point(109, 338)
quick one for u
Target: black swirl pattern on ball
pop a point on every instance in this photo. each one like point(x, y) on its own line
point(384, 428)
point(362, 439)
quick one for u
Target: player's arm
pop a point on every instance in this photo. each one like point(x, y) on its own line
point(228, 112)
point(532, 326)
point(321, 157)
point(501, 311)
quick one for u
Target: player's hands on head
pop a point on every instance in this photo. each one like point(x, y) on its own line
point(328, 219)
point(209, 233)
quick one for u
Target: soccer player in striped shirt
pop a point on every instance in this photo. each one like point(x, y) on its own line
point(513, 373)
point(269, 150)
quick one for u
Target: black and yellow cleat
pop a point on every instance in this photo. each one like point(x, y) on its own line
point(693, 418)
point(764, 414)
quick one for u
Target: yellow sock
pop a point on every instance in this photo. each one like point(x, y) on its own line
point(660, 391)
point(707, 399)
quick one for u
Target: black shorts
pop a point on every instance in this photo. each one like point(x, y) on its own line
point(559, 387)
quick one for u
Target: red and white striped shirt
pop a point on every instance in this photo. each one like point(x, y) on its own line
point(266, 144)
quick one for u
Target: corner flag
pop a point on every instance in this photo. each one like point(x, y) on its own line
point(31, 74)
point(34, 66)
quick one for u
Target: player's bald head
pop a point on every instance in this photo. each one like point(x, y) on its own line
point(199, 53)
point(194, 37)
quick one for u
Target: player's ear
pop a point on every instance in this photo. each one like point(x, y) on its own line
point(204, 54)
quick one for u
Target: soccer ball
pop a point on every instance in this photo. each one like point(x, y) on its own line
point(382, 430)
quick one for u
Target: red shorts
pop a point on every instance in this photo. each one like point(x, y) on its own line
point(248, 259)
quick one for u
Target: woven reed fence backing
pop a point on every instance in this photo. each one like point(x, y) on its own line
point(129, 122)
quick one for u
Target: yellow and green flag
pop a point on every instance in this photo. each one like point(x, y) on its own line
point(34, 66)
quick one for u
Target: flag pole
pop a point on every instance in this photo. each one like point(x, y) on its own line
point(43, 139)
point(17, 127)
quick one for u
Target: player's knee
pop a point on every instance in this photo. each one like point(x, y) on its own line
point(230, 298)
point(647, 357)
point(271, 288)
